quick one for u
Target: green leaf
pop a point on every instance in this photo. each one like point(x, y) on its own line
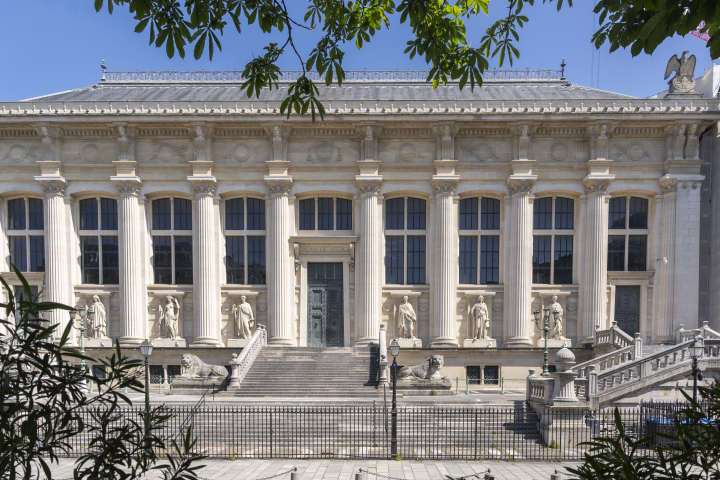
point(199, 46)
point(141, 26)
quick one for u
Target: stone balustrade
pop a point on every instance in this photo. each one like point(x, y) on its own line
point(241, 364)
point(705, 332)
point(613, 336)
point(626, 354)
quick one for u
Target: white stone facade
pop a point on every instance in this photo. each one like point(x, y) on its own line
point(585, 150)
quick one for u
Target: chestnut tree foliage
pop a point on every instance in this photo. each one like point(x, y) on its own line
point(439, 33)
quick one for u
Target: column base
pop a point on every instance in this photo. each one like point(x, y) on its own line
point(131, 342)
point(281, 342)
point(518, 342)
point(206, 342)
point(365, 341)
point(444, 342)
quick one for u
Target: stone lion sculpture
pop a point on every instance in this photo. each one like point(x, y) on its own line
point(428, 370)
point(196, 368)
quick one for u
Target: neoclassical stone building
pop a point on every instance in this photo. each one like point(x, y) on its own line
point(146, 186)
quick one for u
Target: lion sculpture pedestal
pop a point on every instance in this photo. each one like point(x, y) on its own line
point(424, 379)
point(198, 376)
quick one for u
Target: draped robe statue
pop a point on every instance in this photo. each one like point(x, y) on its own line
point(169, 317)
point(243, 315)
point(406, 320)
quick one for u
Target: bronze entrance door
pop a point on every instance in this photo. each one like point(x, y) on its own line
point(627, 308)
point(325, 305)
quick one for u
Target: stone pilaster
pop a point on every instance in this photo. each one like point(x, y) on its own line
point(58, 280)
point(369, 261)
point(518, 279)
point(281, 270)
point(665, 271)
point(205, 284)
point(132, 287)
point(445, 277)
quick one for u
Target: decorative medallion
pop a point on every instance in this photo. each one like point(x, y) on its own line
point(18, 153)
point(559, 152)
point(482, 152)
point(90, 153)
point(240, 153)
point(324, 152)
point(166, 152)
point(408, 153)
point(634, 151)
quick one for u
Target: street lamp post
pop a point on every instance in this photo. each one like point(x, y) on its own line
point(696, 352)
point(394, 351)
point(146, 350)
point(545, 329)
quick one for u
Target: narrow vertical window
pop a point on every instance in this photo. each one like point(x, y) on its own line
point(469, 213)
point(256, 260)
point(616, 218)
point(235, 255)
point(416, 214)
point(637, 253)
point(37, 253)
point(468, 259)
point(395, 214)
point(235, 214)
point(37, 217)
point(616, 253)
point(161, 214)
point(108, 214)
point(416, 259)
point(183, 261)
point(542, 213)
point(344, 214)
point(394, 261)
point(110, 261)
point(325, 213)
point(541, 259)
point(162, 259)
point(256, 214)
point(638, 213)
point(307, 214)
point(563, 261)
point(90, 258)
point(18, 252)
point(183, 214)
point(88, 214)
point(490, 259)
point(16, 214)
point(490, 214)
point(564, 213)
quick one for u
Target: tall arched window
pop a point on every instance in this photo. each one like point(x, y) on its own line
point(481, 237)
point(172, 241)
point(405, 245)
point(325, 213)
point(26, 234)
point(553, 235)
point(245, 241)
point(627, 234)
point(99, 241)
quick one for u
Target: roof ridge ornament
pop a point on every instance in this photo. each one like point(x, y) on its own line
point(104, 67)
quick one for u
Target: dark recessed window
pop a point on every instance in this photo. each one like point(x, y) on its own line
point(616, 253)
point(162, 259)
point(617, 213)
point(37, 253)
point(564, 213)
point(416, 214)
point(490, 214)
point(90, 259)
point(489, 259)
point(183, 261)
point(563, 260)
point(16, 214)
point(256, 214)
point(307, 214)
point(542, 213)
point(395, 214)
point(416, 259)
point(18, 252)
point(89, 214)
point(469, 214)
point(108, 214)
point(183, 214)
point(256, 260)
point(541, 259)
point(638, 213)
point(325, 213)
point(394, 259)
point(235, 259)
point(235, 214)
point(344, 214)
point(637, 253)
point(161, 212)
point(110, 261)
point(468, 259)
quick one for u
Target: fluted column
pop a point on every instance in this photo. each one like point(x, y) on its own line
point(518, 282)
point(132, 287)
point(595, 256)
point(207, 316)
point(665, 326)
point(369, 264)
point(445, 278)
point(58, 281)
point(281, 274)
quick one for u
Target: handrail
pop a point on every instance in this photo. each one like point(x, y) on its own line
point(241, 364)
point(705, 332)
point(648, 359)
point(200, 403)
point(615, 358)
point(612, 336)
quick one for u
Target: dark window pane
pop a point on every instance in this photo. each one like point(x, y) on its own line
point(162, 259)
point(183, 261)
point(325, 213)
point(183, 214)
point(637, 253)
point(235, 259)
point(490, 214)
point(343, 216)
point(88, 214)
point(564, 212)
point(234, 214)
point(491, 374)
point(255, 214)
point(37, 253)
point(638, 212)
point(468, 259)
point(416, 259)
point(395, 214)
point(256, 260)
point(469, 214)
point(98, 371)
point(542, 213)
point(563, 260)
point(161, 214)
point(472, 373)
point(489, 259)
point(18, 253)
point(16, 214)
point(110, 261)
point(541, 259)
point(108, 214)
point(617, 213)
point(90, 259)
point(394, 259)
point(37, 219)
point(416, 214)
point(616, 253)
point(307, 214)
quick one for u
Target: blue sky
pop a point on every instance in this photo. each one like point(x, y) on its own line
point(57, 45)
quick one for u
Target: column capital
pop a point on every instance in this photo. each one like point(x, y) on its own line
point(445, 185)
point(127, 185)
point(597, 184)
point(279, 185)
point(203, 185)
point(521, 184)
point(668, 184)
point(53, 186)
point(369, 186)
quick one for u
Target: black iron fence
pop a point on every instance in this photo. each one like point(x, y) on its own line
point(362, 432)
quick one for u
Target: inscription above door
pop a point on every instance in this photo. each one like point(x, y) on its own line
point(325, 305)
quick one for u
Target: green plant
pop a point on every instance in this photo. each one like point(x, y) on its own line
point(433, 393)
point(554, 444)
point(418, 459)
point(398, 457)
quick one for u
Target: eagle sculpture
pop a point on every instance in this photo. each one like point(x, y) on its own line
point(681, 66)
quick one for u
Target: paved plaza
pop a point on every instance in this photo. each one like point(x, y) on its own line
point(346, 470)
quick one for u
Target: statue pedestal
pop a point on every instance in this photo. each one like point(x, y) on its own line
point(169, 343)
point(480, 343)
point(197, 386)
point(554, 343)
point(416, 386)
point(409, 342)
point(99, 343)
point(237, 342)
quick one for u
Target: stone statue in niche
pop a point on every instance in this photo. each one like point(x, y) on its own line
point(480, 320)
point(200, 142)
point(277, 143)
point(557, 332)
point(243, 315)
point(123, 143)
point(99, 318)
point(169, 318)
point(406, 319)
point(524, 145)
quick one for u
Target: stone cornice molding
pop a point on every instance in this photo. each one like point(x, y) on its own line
point(668, 185)
point(369, 186)
point(521, 184)
point(599, 184)
point(445, 185)
point(127, 185)
point(279, 186)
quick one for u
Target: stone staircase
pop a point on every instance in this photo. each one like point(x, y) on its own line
point(312, 372)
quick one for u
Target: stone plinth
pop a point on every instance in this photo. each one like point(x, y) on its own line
point(99, 342)
point(237, 342)
point(480, 343)
point(416, 386)
point(197, 386)
point(169, 343)
point(409, 342)
point(566, 342)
